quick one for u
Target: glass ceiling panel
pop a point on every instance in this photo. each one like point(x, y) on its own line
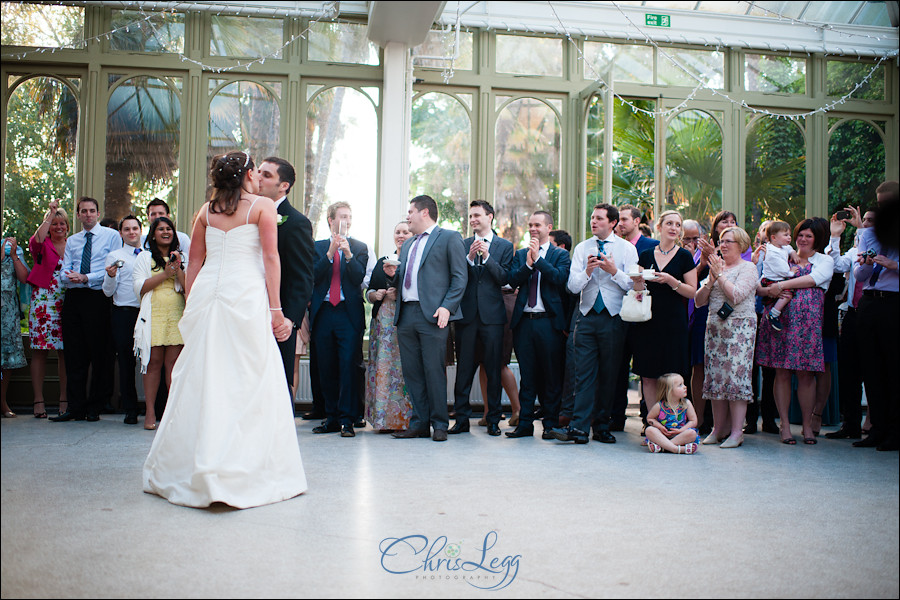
point(671, 5)
point(831, 12)
point(731, 8)
point(786, 9)
point(874, 13)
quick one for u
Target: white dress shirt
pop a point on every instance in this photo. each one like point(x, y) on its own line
point(487, 240)
point(105, 240)
point(612, 287)
point(412, 294)
point(539, 305)
point(121, 287)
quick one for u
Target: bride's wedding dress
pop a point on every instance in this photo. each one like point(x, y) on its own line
point(228, 433)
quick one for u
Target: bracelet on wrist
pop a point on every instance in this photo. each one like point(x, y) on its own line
point(276, 308)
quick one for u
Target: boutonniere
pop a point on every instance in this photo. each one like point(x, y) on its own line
point(281, 219)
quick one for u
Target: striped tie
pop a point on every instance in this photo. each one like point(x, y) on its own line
point(86, 254)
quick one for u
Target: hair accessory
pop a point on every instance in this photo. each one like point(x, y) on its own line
point(246, 162)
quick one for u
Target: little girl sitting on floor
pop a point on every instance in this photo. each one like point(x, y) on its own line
point(672, 422)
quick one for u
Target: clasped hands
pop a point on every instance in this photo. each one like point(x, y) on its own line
point(669, 433)
point(605, 262)
point(339, 242)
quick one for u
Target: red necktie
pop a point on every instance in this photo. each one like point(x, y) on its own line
point(334, 292)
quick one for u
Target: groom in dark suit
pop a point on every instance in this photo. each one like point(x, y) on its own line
point(479, 334)
point(431, 279)
point(337, 320)
point(295, 248)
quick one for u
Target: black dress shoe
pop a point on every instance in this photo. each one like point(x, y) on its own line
point(547, 435)
point(347, 431)
point(750, 429)
point(410, 433)
point(869, 442)
point(92, 418)
point(570, 434)
point(461, 426)
point(888, 445)
point(67, 416)
point(493, 429)
point(523, 431)
point(313, 416)
point(440, 435)
point(770, 428)
point(130, 419)
point(327, 428)
point(844, 433)
point(604, 436)
point(361, 424)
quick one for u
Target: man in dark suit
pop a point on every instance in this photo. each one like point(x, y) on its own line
point(432, 279)
point(628, 229)
point(479, 333)
point(337, 319)
point(539, 325)
point(296, 250)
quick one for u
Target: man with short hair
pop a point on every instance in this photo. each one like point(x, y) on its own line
point(432, 279)
point(296, 249)
point(337, 319)
point(540, 272)
point(85, 314)
point(157, 208)
point(629, 229)
point(479, 333)
point(117, 284)
point(598, 274)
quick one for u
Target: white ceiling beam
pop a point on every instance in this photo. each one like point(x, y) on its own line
point(405, 22)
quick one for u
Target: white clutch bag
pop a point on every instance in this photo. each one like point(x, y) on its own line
point(636, 307)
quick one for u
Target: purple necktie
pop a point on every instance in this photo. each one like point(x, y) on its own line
point(407, 281)
point(532, 289)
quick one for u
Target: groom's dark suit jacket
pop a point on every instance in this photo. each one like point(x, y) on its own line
point(296, 251)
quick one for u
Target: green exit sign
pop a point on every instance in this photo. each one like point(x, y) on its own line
point(658, 20)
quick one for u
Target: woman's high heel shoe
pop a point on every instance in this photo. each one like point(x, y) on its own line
point(39, 414)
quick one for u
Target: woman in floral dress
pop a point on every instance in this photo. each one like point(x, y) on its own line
point(47, 245)
point(387, 403)
point(12, 354)
point(730, 340)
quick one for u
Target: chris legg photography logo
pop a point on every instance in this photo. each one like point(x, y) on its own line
point(479, 565)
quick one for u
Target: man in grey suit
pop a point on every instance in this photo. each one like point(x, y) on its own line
point(432, 280)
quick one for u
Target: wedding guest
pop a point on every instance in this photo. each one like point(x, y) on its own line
point(850, 367)
point(598, 274)
point(877, 267)
point(387, 403)
point(729, 291)
point(432, 279)
point(12, 354)
point(763, 395)
point(337, 320)
point(674, 279)
point(159, 281)
point(629, 229)
point(479, 333)
point(119, 285)
point(85, 315)
point(798, 347)
point(47, 246)
point(157, 208)
point(540, 272)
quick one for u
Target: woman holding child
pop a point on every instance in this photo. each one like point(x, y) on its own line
point(798, 347)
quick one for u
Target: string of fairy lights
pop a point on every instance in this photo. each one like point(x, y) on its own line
point(330, 10)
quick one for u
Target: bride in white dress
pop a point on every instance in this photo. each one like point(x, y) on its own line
point(228, 434)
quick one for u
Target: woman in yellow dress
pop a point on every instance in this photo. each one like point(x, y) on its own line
point(159, 281)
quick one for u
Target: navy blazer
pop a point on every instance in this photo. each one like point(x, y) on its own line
point(352, 275)
point(554, 268)
point(645, 243)
point(483, 296)
point(297, 253)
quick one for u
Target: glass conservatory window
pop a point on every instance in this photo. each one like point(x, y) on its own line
point(634, 141)
point(856, 163)
point(143, 127)
point(694, 166)
point(134, 32)
point(526, 167)
point(707, 67)
point(781, 74)
point(441, 43)
point(244, 115)
point(630, 63)
point(41, 143)
point(342, 43)
point(521, 55)
point(249, 37)
point(775, 182)
point(842, 77)
point(440, 156)
point(41, 25)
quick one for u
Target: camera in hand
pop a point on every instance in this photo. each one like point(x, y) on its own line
point(119, 263)
point(843, 215)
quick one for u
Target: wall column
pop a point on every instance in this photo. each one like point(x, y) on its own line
point(396, 118)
